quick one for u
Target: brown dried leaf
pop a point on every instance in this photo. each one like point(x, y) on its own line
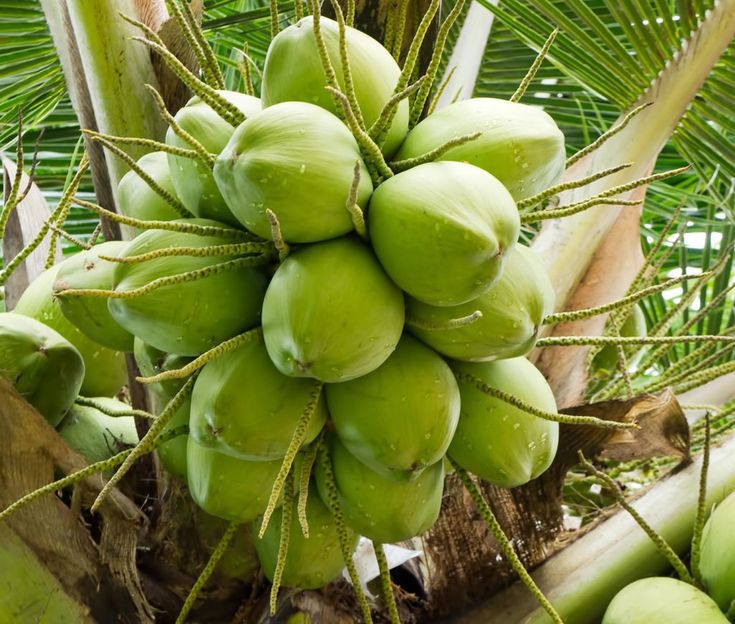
point(664, 430)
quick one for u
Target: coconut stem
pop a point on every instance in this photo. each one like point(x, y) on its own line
point(622, 364)
point(14, 196)
point(705, 376)
point(566, 419)
point(294, 445)
point(79, 475)
point(440, 91)
point(54, 219)
point(502, 539)
point(275, 25)
point(701, 517)
point(349, 89)
point(418, 105)
point(373, 156)
point(229, 249)
point(358, 218)
point(344, 542)
point(72, 239)
point(573, 184)
point(606, 135)
point(400, 29)
point(577, 315)
point(229, 112)
point(298, 10)
point(170, 199)
point(286, 518)
point(531, 74)
point(203, 155)
point(206, 357)
point(64, 212)
point(581, 341)
point(170, 226)
point(206, 573)
point(380, 125)
point(431, 156)
point(307, 464)
point(663, 548)
point(386, 584)
point(282, 247)
point(683, 368)
point(330, 75)
point(87, 402)
point(210, 62)
point(169, 280)
point(391, 108)
point(243, 65)
point(150, 144)
point(187, 24)
point(572, 209)
point(428, 325)
point(148, 443)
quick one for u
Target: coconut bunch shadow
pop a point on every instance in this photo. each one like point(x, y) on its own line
point(252, 250)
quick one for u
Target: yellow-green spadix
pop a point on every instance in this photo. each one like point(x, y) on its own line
point(104, 369)
point(224, 486)
point(382, 509)
point(500, 443)
point(717, 563)
point(192, 178)
point(135, 198)
point(442, 231)
point(511, 312)
point(293, 71)
point(330, 312)
point(520, 145)
point(311, 562)
point(605, 362)
point(296, 160)
point(662, 600)
point(190, 317)
point(243, 406)
point(90, 314)
point(45, 368)
point(400, 418)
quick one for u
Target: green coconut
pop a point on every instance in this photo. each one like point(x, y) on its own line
point(662, 600)
point(224, 486)
point(496, 441)
point(311, 562)
point(243, 406)
point(298, 161)
point(191, 317)
point(400, 418)
point(384, 510)
point(520, 145)
point(293, 71)
point(512, 311)
point(442, 230)
point(45, 368)
point(192, 179)
point(105, 371)
point(330, 312)
point(90, 314)
point(96, 435)
point(606, 360)
point(239, 561)
point(135, 198)
point(717, 563)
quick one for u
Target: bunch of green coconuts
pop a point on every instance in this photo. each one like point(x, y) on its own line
point(376, 313)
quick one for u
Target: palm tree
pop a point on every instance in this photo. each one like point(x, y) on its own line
point(608, 59)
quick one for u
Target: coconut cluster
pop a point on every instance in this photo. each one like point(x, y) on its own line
point(379, 302)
